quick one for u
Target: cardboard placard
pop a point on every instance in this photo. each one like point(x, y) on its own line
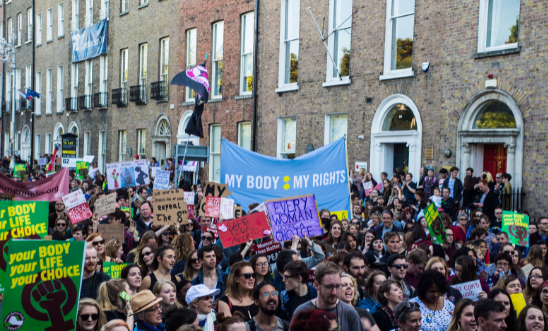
point(170, 206)
point(189, 198)
point(239, 212)
point(113, 269)
point(243, 229)
point(74, 199)
point(227, 208)
point(469, 290)
point(216, 190)
point(270, 249)
point(89, 158)
point(111, 231)
point(294, 216)
point(105, 205)
point(526, 269)
point(161, 181)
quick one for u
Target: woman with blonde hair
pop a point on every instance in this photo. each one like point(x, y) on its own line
point(116, 325)
point(534, 257)
point(166, 290)
point(98, 243)
point(510, 284)
point(463, 317)
point(183, 244)
point(114, 251)
point(90, 316)
point(193, 265)
point(349, 290)
point(238, 294)
point(62, 224)
point(110, 299)
point(438, 264)
point(145, 258)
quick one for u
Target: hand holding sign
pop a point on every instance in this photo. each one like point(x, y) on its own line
point(243, 229)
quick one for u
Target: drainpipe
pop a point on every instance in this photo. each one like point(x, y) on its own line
point(255, 78)
point(32, 78)
point(3, 77)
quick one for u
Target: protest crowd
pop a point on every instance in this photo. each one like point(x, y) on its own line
point(386, 266)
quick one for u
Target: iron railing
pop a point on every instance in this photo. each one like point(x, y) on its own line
point(513, 201)
point(100, 100)
point(119, 97)
point(159, 90)
point(138, 94)
point(84, 102)
point(71, 104)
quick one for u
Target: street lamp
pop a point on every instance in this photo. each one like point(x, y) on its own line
point(7, 53)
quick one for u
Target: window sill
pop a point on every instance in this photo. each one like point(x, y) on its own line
point(59, 112)
point(40, 44)
point(17, 46)
point(214, 100)
point(481, 55)
point(287, 88)
point(245, 96)
point(344, 81)
point(49, 114)
point(28, 42)
point(142, 6)
point(124, 13)
point(397, 75)
point(61, 36)
point(165, 100)
point(49, 41)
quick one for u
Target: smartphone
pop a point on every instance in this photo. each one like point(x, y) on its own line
point(125, 296)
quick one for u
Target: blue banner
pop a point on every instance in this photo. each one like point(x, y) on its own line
point(89, 42)
point(253, 177)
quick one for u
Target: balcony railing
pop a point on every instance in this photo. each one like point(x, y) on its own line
point(159, 90)
point(138, 94)
point(6, 106)
point(26, 104)
point(84, 102)
point(71, 104)
point(18, 104)
point(100, 100)
point(119, 97)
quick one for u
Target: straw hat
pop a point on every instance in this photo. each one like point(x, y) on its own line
point(142, 301)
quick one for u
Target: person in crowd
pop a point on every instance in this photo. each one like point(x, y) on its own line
point(297, 291)
point(488, 201)
point(537, 276)
point(531, 318)
point(112, 303)
point(164, 260)
point(114, 251)
point(510, 284)
point(503, 297)
point(504, 266)
point(335, 234)
point(260, 266)
point(447, 203)
point(58, 212)
point(390, 295)
point(147, 311)
point(145, 258)
point(354, 264)
point(435, 310)
point(91, 278)
point(506, 196)
point(352, 239)
point(373, 262)
point(387, 224)
point(238, 294)
point(62, 224)
point(392, 242)
point(98, 243)
point(449, 246)
point(199, 298)
point(438, 264)
point(397, 268)
point(371, 301)
point(133, 275)
point(90, 316)
point(328, 282)
point(490, 315)
point(183, 244)
point(149, 237)
point(409, 189)
point(462, 222)
point(502, 238)
point(209, 275)
point(542, 233)
point(368, 237)
point(166, 290)
point(455, 187)
point(79, 232)
point(193, 265)
point(315, 320)
point(377, 246)
point(417, 260)
point(534, 257)
point(430, 181)
point(408, 316)
point(143, 221)
point(266, 297)
point(468, 192)
point(182, 289)
point(463, 317)
point(465, 271)
point(349, 295)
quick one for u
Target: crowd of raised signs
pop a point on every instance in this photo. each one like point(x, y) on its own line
point(377, 270)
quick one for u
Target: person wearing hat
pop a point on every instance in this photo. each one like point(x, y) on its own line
point(147, 312)
point(373, 263)
point(200, 298)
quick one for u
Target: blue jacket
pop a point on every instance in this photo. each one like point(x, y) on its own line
point(221, 281)
point(369, 304)
point(142, 326)
point(226, 253)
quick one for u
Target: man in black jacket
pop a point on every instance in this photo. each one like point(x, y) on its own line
point(489, 200)
point(91, 279)
point(455, 185)
point(144, 221)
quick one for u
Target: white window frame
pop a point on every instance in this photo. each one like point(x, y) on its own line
point(388, 73)
point(19, 29)
point(16, 142)
point(74, 80)
point(125, 6)
point(164, 59)
point(89, 78)
point(9, 87)
point(60, 88)
point(48, 142)
point(18, 87)
point(104, 10)
point(247, 18)
point(10, 29)
point(37, 146)
point(102, 151)
point(28, 76)
point(103, 63)
point(218, 29)
point(89, 12)
point(124, 67)
point(61, 20)
point(327, 128)
point(241, 141)
point(49, 87)
point(330, 79)
point(75, 25)
point(143, 59)
point(6, 143)
point(141, 141)
point(30, 17)
point(38, 86)
point(189, 63)
point(212, 153)
point(282, 73)
point(280, 152)
point(122, 145)
point(482, 31)
point(87, 142)
point(39, 29)
point(144, 2)
point(49, 27)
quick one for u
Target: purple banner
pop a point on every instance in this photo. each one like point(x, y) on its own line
point(294, 216)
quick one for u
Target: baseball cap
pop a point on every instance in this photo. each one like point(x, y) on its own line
point(373, 259)
point(198, 291)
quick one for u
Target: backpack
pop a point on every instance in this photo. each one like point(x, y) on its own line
point(253, 327)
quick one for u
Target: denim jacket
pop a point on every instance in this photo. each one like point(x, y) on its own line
point(221, 281)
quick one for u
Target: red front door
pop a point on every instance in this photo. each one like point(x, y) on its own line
point(494, 159)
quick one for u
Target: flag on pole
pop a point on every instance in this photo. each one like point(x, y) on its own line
point(22, 94)
point(31, 94)
point(51, 166)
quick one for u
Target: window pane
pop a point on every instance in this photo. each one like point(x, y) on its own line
point(291, 61)
point(292, 19)
point(219, 37)
point(400, 118)
point(495, 115)
point(248, 27)
point(216, 139)
point(216, 165)
point(248, 73)
point(245, 136)
point(342, 52)
point(338, 127)
point(402, 42)
point(502, 22)
point(191, 39)
point(343, 10)
point(289, 135)
point(400, 7)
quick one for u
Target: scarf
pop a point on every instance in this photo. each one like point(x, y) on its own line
point(206, 321)
point(391, 316)
point(148, 327)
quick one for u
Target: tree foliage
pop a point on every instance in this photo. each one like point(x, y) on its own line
point(514, 30)
point(404, 53)
point(293, 68)
point(345, 62)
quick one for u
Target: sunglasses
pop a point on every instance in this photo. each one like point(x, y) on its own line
point(86, 317)
point(61, 224)
point(194, 260)
point(248, 275)
point(95, 243)
point(399, 266)
point(207, 238)
point(166, 233)
point(147, 253)
point(153, 309)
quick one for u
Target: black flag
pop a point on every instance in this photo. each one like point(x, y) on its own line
point(194, 126)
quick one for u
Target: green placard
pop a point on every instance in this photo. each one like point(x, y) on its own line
point(113, 269)
point(517, 227)
point(82, 170)
point(128, 209)
point(19, 170)
point(20, 220)
point(435, 224)
point(44, 285)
